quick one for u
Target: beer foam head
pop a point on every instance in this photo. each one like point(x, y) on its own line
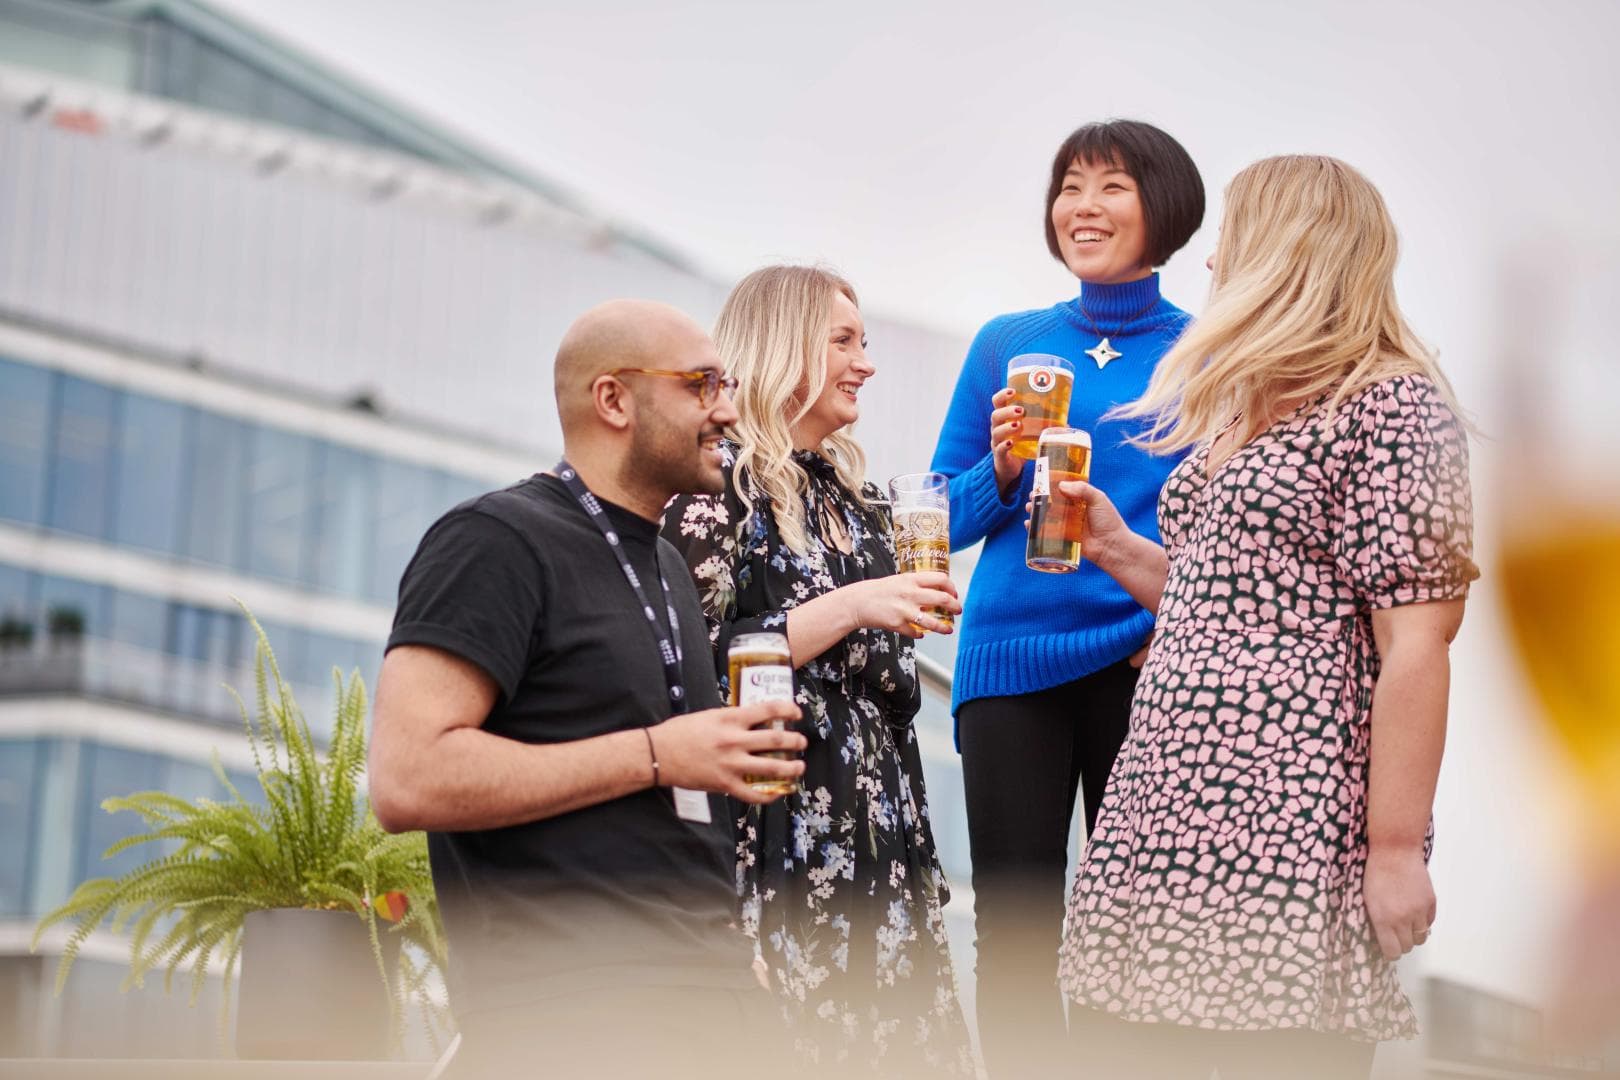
point(1040, 371)
point(1066, 437)
point(1048, 373)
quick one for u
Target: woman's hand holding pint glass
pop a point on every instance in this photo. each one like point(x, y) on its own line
point(1041, 386)
point(1035, 398)
point(922, 532)
point(1056, 522)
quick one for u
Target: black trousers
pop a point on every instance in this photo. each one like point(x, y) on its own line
point(1022, 758)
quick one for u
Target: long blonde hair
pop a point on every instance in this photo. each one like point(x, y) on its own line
point(1302, 303)
point(772, 335)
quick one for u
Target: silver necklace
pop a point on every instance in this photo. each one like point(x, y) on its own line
point(1104, 353)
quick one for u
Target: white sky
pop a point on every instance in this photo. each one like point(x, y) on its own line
point(907, 144)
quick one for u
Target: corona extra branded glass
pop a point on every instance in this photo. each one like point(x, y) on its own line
point(1057, 524)
point(1041, 383)
point(922, 528)
point(759, 667)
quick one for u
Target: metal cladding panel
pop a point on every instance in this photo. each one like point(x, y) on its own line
point(340, 270)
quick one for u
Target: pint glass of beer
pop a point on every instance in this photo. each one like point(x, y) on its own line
point(1042, 384)
point(759, 667)
point(1057, 524)
point(922, 527)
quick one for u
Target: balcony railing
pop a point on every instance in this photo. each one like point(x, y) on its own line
point(131, 675)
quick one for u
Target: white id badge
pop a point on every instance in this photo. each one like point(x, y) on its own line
point(692, 805)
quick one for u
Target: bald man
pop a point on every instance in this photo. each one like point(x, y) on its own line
point(547, 711)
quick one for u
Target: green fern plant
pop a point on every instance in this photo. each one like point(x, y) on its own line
point(311, 842)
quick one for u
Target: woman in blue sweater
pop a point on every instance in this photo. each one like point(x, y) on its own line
point(1047, 664)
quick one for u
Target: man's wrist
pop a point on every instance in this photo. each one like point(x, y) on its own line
point(652, 754)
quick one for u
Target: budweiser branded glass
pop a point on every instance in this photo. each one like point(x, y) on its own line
point(1057, 524)
point(1042, 384)
point(922, 527)
point(760, 668)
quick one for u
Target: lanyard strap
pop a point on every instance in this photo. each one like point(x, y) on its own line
point(668, 652)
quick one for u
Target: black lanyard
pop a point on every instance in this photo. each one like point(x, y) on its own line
point(670, 653)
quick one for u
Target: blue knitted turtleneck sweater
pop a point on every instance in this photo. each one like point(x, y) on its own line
point(1023, 631)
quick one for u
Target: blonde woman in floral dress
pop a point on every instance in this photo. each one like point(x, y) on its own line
point(840, 885)
point(1260, 861)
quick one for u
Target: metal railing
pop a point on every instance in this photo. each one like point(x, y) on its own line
point(935, 676)
point(131, 675)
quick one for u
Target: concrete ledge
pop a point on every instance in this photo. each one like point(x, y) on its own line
point(201, 1069)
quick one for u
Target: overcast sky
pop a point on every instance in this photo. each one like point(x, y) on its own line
point(908, 144)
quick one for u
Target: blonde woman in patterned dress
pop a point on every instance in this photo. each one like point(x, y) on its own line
point(1261, 856)
point(840, 885)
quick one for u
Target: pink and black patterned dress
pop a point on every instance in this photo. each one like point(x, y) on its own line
point(1223, 886)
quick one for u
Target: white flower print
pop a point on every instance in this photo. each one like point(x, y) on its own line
point(839, 884)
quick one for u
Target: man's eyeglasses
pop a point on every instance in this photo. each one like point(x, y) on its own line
point(710, 381)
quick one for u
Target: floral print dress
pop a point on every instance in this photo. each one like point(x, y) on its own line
point(1223, 886)
point(840, 885)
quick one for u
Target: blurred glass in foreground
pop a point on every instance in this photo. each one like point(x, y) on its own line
point(1559, 525)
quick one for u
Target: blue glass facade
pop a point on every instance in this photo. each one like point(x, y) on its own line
point(110, 464)
point(45, 851)
point(189, 486)
point(25, 409)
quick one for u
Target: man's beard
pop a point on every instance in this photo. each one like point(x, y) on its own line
point(668, 462)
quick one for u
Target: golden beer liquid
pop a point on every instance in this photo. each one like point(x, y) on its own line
point(1041, 409)
point(1057, 525)
point(1563, 590)
point(922, 541)
point(745, 654)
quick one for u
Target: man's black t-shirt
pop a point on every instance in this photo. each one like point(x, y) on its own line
point(521, 583)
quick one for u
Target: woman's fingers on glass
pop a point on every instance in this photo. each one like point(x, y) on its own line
point(1076, 489)
point(925, 579)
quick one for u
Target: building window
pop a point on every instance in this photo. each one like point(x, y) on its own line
point(109, 771)
point(72, 609)
point(19, 766)
point(343, 520)
point(408, 501)
point(218, 455)
point(149, 469)
point(277, 492)
point(81, 458)
point(25, 409)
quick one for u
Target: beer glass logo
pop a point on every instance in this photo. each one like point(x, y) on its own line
point(1042, 379)
point(914, 526)
point(765, 682)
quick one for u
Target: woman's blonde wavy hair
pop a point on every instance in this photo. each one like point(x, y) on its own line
point(1302, 304)
point(772, 335)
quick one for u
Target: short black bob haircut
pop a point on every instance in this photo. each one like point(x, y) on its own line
point(1168, 183)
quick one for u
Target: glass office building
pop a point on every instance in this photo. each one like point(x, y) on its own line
point(257, 330)
point(133, 516)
